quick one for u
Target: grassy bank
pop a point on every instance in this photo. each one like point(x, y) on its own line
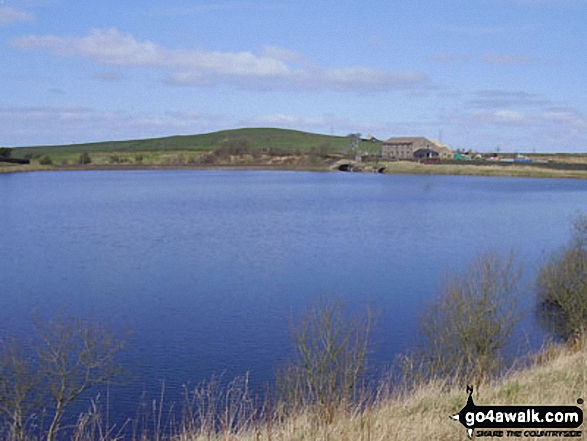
point(513, 170)
point(557, 377)
point(302, 162)
point(145, 160)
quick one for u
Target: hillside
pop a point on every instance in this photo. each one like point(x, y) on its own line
point(259, 138)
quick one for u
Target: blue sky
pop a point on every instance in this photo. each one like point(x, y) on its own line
point(479, 74)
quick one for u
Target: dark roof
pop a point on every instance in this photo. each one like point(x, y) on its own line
point(404, 140)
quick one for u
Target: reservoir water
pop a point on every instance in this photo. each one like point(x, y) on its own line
point(207, 269)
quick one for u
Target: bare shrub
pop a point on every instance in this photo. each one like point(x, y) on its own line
point(562, 286)
point(465, 330)
point(331, 356)
point(69, 358)
point(19, 391)
point(205, 159)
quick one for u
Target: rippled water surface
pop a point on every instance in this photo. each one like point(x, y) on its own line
point(209, 268)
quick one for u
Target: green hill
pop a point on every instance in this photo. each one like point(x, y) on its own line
point(258, 138)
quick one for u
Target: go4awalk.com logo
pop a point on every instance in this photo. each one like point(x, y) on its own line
point(520, 421)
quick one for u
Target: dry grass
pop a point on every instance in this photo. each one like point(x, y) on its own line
point(182, 160)
point(11, 168)
point(558, 376)
point(405, 167)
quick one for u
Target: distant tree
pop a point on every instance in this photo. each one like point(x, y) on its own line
point(322, 149)
point(355, 139)
point(562, 286)
point(46, 160)
point(5, 152)
point(235, 146)
point(84, 158)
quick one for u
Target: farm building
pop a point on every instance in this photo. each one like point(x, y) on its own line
point(414, 148)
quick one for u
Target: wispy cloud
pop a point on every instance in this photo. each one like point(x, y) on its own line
point(293, 121)
point(547, 129)
point(173, 10)
point(12, 15)
point(473, 30)
point(68, 124)
point(329, 123)
point(513, 60)
point(449, 58)
point(492, 58)
point(272, 69)
point(519, 108)
point(109, 76)
point(377, 41)
point(490, 99)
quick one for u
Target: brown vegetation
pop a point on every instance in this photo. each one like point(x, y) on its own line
point(466, 329)
point(562, 286)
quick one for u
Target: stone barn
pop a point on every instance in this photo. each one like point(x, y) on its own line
point(414, 148)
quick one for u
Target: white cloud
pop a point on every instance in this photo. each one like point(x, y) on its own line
point(566, 116)
point(273, 69)
point(291, 121)
point(105, 46)
point(286, 55)
point(75, 124)
point(11, 15)
point(507, 116)
point(547, 129)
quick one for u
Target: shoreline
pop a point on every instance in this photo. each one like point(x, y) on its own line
point(118, 167)
point(399, 167)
